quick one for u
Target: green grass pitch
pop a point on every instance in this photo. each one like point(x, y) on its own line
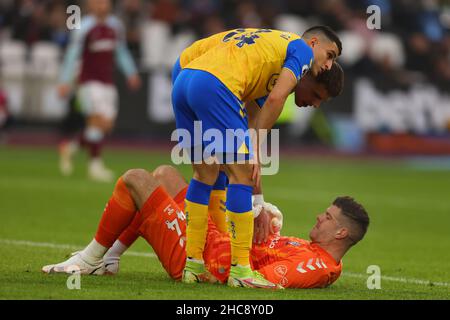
point(44, 217)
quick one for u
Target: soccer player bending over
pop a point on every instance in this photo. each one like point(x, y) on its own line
point(216, 78)
point(151, 205)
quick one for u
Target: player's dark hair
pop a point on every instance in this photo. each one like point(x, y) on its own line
point(327, 32)
point(332, 80)
point(356, 215)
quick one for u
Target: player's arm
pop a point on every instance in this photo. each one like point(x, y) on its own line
point(71, 57)
point(125, 60)
point(275, 101)
point(299, 57)
point(298, 60)
point(253, 111)
point(271, 111)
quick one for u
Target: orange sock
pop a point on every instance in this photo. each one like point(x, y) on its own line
point(159, 201)
point(131, 233)
point(118, 214)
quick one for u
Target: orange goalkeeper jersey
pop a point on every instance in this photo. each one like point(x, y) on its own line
point(289, 261)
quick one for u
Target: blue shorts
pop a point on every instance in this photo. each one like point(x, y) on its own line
point(210, 119)
point(176, 70)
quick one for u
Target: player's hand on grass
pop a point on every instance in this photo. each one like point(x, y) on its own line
point(134, 82)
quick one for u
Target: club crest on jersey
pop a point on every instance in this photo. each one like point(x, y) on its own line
point(272, 81)
point(280, 270)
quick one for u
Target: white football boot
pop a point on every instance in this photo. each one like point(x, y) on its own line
point(75, 264)
point(111, 259)
point(111, 266)
point(98, 172)
point(66, 153)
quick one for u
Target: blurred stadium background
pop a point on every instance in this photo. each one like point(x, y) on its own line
point(395, 105)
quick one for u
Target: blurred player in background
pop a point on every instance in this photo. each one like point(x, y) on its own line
point(152, 204)
point(3, 113)
point(219, 76)
point(100, 44)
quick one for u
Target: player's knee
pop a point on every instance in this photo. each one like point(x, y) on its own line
point(137, 179)
point(206, 173)
point(164, 171)
point(100, 122)
point(241, 174)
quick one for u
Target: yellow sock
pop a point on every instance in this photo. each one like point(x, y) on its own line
point(217, 209)
point(197, 226)
point(240, 226)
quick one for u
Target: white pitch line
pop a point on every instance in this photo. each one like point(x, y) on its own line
point(152, 255)
point(65, 246)
point(395, 279)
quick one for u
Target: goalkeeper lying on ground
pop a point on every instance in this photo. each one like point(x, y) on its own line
point(151, 205)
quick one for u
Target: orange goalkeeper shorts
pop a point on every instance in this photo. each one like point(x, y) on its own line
point(164, 228)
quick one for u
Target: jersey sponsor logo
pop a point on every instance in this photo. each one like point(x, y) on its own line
point(102, 45)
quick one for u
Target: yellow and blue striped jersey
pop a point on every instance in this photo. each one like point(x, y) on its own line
point(249, 61)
